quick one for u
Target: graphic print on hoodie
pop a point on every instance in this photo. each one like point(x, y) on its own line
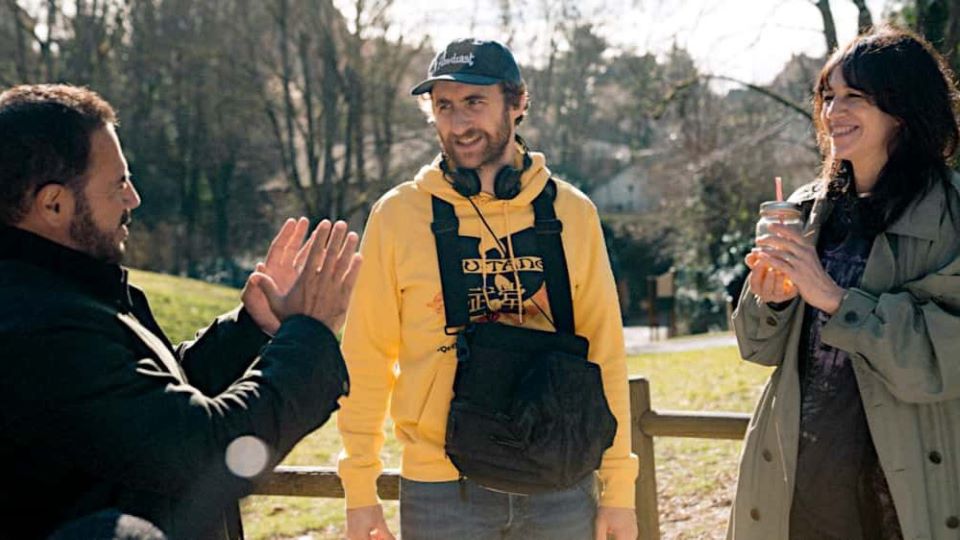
point(500, 285)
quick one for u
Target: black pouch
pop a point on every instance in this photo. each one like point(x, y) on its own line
point(529, 413)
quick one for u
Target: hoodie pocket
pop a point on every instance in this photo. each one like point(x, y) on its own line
point(432, 421)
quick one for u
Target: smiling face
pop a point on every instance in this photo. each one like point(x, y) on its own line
point(858, 130)
point(102, 210)
point(473, 122)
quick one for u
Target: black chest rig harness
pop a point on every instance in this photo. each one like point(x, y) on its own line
point(529, 413)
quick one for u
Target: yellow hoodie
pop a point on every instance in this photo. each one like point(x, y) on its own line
point(394, 342)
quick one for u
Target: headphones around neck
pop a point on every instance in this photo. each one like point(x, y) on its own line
point(506, 185)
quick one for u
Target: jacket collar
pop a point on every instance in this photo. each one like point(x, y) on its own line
point(106, 281)
point(920, 220)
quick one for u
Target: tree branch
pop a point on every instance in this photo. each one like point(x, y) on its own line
point(786, 102)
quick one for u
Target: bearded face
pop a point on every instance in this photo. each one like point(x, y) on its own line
point(107, 245)
point(473, 123)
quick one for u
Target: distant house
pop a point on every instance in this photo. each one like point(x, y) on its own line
point(632, 189)
point(624, 192)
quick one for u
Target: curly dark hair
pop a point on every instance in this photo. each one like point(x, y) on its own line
point(45, 133)
point(905, 77)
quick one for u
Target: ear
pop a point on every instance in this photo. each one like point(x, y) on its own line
point(515, 112)
point(54, 205)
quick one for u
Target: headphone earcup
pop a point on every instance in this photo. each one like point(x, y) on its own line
point(466, 181)
point(507, 183)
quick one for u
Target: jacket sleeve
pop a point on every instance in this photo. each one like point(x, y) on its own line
point(371, 341)
point(762, 330)
point(909, 337)
point(597, 317)
point(221, 352)
point(87, 401)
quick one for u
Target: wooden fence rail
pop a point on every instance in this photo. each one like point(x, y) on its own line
point(647, 424)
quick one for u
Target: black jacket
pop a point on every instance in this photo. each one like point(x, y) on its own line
point(98, 410)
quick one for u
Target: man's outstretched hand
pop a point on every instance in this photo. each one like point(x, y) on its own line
point(313, 278)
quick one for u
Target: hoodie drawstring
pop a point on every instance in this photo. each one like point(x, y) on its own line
point(495, 304)
point(513, 262)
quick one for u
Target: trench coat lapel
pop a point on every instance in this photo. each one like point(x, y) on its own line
point(822, 206)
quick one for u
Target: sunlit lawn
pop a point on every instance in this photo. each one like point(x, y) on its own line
point(689, 472)
point(182, 306)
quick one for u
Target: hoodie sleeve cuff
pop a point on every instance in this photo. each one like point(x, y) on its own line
point(618, 490)
point(360, 490)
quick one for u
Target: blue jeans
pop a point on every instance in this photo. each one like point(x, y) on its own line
point(449, 510)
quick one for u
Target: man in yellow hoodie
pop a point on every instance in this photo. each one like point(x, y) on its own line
point(395, 345)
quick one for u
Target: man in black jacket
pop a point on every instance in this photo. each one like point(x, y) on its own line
point(98, 411)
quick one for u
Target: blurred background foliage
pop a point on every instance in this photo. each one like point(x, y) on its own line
point(238, 113)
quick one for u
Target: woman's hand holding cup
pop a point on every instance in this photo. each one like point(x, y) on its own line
point(768, 284)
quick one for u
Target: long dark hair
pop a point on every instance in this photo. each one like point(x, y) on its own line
point(905, 77)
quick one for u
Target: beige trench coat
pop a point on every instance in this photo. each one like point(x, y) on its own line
point(902, 328)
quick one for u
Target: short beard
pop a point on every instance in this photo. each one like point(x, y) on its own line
point(496, 145)
point(90, 239)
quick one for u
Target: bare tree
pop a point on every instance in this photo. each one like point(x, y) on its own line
point(864, 18)
point(829, 27)
point(939, 22)
point(21, 24)
point(920, 15)
point(46, 55)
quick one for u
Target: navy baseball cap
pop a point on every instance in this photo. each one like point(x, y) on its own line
point(471, 61)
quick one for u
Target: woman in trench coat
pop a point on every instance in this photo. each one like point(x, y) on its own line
point(857, 433)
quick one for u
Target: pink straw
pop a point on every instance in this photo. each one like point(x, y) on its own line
point(779, 182)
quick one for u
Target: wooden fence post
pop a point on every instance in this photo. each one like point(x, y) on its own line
point(648, 519)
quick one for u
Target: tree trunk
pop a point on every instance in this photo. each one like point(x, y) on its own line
point(310, 137)
point(864, 19)
point(920, 7)
point(829, 27)
point(951, 36)
point(289, 111)
point(22, 64)
point(329, 99)
point(357, 93)
point(46, 54)
point(221, 204)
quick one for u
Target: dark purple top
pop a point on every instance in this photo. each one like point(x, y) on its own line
point(841, 491)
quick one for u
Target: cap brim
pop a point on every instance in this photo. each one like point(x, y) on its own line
point(465, 78)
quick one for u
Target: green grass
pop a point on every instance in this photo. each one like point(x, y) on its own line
point(691, 473)
point(183, 306)
point(712, 380)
